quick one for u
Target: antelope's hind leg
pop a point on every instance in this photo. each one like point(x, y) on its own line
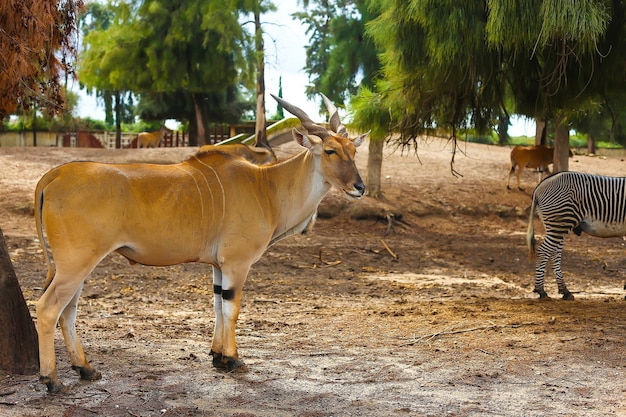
point(67, 321)
point(58, 304)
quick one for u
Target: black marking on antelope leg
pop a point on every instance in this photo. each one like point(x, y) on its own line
point(228, 294)
point(217, 358)
point(87, 374)
point(54, 387)
point(217, 289)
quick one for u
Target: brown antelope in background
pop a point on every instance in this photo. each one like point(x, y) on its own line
point(539, 157)
point(216, 208)
point(151, 139)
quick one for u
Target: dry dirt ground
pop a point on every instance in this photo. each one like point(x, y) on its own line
point(432, 317)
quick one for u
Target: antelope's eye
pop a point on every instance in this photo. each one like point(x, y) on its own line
point(330, 151)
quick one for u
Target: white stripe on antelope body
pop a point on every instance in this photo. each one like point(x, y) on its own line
point(575, 201)
point(539, 157)
point(215, 208)
point(151, 139)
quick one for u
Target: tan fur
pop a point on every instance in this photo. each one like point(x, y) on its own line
point(215, 208)
point(539, 157)
point(256, 155)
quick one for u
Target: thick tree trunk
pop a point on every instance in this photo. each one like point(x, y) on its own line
point(591, 145)
point(540, 132)
point(561, 145)
point(374, 167)
point(19, 352)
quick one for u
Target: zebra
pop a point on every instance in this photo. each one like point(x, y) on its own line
point(566, 201)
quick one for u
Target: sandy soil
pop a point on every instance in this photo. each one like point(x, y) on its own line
point(436, 317)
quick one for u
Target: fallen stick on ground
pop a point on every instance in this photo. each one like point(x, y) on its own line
point(388, 249)
point(429, 337)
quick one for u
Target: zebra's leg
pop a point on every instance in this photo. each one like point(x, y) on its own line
point(556, 266)
point(550, 245)
point(543, 256)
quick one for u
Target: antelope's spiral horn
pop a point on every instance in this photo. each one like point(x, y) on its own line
point(334, 121)
point(306, 121)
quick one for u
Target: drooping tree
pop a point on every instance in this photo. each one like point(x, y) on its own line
point(437, 70)
point(558, 56)
point(37, 45)
point(457, 64)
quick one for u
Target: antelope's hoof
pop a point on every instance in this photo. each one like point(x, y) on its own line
point(568, 296)
point(228, 364)
point(54, 385)
point(87, 374)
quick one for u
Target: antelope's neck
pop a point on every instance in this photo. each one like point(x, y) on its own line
point(297, 187)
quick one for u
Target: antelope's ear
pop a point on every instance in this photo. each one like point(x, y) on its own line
point(308, 141)
point(360, 139)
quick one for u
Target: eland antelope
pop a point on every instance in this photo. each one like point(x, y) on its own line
point(151, 139)
point(215, 208)
point(539, 157)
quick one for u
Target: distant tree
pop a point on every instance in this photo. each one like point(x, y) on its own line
point(280, 114)
point(98, 16)
point(341, 60)
point(196, 48)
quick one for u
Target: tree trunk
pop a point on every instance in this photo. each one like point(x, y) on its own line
point(561, 144)
point(201, 137)
point(374, 167)
point(260, 127)
point(118, 121)
point(591, 145)
point(503, 129)
point(540, 132)
point(35, 128)
point(19, 352)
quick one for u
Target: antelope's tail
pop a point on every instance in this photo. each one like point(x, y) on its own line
point(39, 199)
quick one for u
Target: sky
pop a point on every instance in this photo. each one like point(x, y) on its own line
point(285, 57)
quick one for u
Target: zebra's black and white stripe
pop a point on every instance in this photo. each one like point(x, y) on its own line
point(566, 201)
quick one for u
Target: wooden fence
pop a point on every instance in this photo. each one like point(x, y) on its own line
point(103, 139)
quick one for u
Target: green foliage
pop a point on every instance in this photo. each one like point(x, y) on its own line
point(370, 113)
point(339, 58)
point(437, 69)
point(169, 49)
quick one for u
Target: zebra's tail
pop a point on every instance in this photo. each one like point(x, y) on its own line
point(530, 235)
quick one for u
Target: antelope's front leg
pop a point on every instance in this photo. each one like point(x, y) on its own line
point(227, 298)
